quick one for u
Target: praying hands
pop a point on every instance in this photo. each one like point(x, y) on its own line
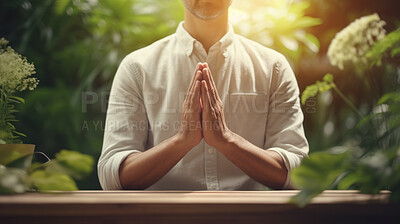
point(203, 115)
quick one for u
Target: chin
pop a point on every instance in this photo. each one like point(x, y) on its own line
point(207, 9)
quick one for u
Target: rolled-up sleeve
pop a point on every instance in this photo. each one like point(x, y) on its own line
point(126, 127)
point(284, 129)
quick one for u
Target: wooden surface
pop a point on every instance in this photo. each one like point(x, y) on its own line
point(195, 207)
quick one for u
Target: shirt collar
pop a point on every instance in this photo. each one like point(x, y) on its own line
point(187, 41)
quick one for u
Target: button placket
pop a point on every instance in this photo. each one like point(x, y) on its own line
point(211, 174)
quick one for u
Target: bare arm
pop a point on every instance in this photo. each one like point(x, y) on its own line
point(141, 170)
point(266, 167)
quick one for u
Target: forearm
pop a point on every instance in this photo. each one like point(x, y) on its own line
point(141, 170)
point(266, 167)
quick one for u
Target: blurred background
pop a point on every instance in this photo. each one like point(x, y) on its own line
point(77, 45)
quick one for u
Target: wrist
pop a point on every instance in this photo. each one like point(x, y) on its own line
point(182, 141)
point(228, 138)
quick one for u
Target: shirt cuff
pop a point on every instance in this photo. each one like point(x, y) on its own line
point(109, 170)
point(291, 161)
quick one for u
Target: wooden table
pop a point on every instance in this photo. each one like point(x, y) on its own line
point(195, 207)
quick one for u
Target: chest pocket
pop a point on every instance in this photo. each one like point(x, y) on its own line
point(246, 115)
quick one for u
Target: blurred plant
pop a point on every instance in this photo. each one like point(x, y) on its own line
point(15, 174)
point(350, 46)
point(77, 46)
point(57, 174)
point(279, 24)
point(15, 72)
point(370, 160)
point(323, 86)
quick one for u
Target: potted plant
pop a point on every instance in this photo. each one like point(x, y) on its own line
point(15, 76)
point(17, 175)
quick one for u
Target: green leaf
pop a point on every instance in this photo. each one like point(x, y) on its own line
point(297, 8)
point(19, 133)
point(77, 164)
point(392, 97)
point(309, 40)
point(347, 181)
point(310, 91)
point(17, 99)
point(312, 42)
point(60, 6)
point(380, 47)
point(305, 22)
point(43, 180)
point(328, 78)
point(395, 52)
point(304, 197)
point(11, 126)
point(318, 87)
point(12, 180)
point(316, 174)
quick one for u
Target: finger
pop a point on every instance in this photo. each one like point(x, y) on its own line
point(199, 67)
point(208, 106)
point(213, 84)
point(205, 65)
point(191, 91)
point(198, 77)
point(207, 79)
point(196, 97)
point(204, 97)
point(210, 87)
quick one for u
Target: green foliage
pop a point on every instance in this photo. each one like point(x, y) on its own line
point(280, 24)
point(316, 174)
point(74, 163)
point(77, 46)
point(371, 166)
point(395, 52)
point(12, 180)
point(371, 161)
point(44, 180)
point(57, 174)
point(381, 47)
point(318, 87)
point(15, 72)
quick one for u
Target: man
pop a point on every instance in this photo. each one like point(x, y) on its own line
point(175, 123)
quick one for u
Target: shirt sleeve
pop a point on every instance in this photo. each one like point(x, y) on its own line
point(284, 129)
point(126, 124)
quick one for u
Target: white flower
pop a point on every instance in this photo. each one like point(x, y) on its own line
point(15, 70)
point(350, 45)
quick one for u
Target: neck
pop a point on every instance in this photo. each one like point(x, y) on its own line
point(207, 32)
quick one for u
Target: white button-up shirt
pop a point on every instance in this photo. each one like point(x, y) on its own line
point(256, 85)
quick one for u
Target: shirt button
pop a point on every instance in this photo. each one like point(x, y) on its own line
point(210, 151)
